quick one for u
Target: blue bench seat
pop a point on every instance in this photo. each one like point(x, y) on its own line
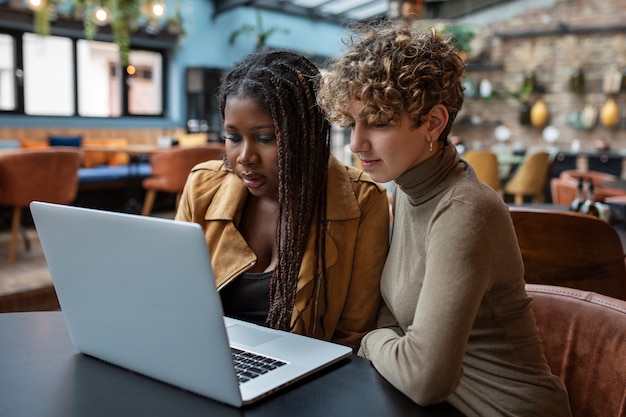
point(105, 174)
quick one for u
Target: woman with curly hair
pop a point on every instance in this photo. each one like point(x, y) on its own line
point(456, 324)
point(297, 239)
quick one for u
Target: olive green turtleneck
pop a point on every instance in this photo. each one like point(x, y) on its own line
point(459, 326)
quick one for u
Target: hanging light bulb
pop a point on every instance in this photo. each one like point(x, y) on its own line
point(101, 16)
point(158, 9)
point(36, 4)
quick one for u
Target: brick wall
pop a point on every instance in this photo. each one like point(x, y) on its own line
point(552, 42)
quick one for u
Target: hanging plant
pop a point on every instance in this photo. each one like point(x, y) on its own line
point(461, 36)
point(260, 32)
point(124, 17)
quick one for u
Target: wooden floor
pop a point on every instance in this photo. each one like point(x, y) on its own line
point(27, 285)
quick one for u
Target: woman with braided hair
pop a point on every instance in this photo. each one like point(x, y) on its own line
point(297, 239)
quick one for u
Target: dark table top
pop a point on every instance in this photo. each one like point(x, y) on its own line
point(41, 374)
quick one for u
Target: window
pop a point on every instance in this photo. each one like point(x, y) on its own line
point(64, 76)
point(144, 84)
point(8, 88)
point(48, 75)
point(99, 79)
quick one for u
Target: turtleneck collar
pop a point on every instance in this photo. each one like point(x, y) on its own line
point(426, 180)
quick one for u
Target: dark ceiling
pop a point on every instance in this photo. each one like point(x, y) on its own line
point(342, 12)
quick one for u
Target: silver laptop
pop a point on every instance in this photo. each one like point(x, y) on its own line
point(139, 292)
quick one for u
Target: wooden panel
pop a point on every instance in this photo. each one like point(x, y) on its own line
point(570, 250)
point(147, 136)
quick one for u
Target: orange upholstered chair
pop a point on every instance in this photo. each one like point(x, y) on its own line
point(563, 191)
point(170, 168)
point(49, 175)
point(563, 188)
point(583, 335)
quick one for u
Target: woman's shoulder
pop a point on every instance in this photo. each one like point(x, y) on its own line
point(206, 176)
point(351, 193)
point(338, 171)
point(210, 167)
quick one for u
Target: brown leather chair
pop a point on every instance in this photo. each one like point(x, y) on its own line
point(49, 175)
point(571, 250)
point(171, 167)
point(583, 335)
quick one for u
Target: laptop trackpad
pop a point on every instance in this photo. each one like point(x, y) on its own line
point(248, 336)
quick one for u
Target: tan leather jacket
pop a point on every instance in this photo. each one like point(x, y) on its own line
point(356, 245)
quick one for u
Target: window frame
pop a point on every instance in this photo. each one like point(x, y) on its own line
point(14, 25)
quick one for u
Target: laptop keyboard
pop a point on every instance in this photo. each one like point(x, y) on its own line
point(250, 365)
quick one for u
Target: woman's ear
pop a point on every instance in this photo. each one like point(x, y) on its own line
point(437, 120)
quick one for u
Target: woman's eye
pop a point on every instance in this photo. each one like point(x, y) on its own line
point(268, 138)
point(231, 137)
point(382, 123)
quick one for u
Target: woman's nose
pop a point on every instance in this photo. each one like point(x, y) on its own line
point(358, 140)
point(248, 154)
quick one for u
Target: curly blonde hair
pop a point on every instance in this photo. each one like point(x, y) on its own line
point(393, 67)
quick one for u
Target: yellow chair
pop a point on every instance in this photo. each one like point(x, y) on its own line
point(485, 164)
point(531, 178)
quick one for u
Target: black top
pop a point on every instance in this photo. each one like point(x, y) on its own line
point(247, 297)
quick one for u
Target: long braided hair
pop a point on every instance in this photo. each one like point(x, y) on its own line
point(285, 84)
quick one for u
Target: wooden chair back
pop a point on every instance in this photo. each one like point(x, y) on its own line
point(531, 178)
point(583, 335)
point(570, 250)
point(485, 165)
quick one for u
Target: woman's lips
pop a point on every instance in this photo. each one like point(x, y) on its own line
point(368, 164)
point(253, 180)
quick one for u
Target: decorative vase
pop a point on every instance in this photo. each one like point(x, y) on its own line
point(524, 113)
point(577, 81)
point(539, 114)
point(609, 114)
point(612, 82)
point(588, 117)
